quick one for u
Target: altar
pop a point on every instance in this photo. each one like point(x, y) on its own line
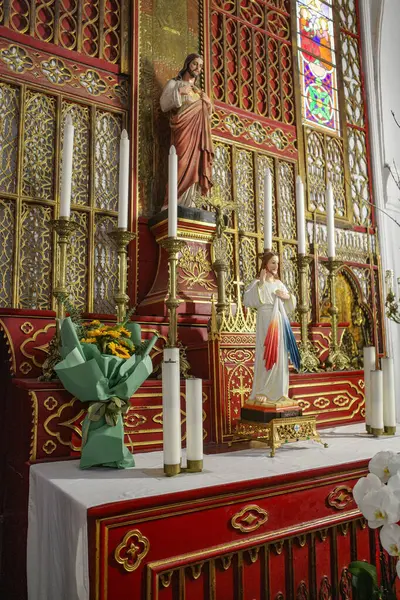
point(248, 526)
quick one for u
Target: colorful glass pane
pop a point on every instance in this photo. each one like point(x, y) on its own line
point(317, 63)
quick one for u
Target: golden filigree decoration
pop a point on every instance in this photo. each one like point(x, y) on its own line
point(195, 268)
point(340, 497)
point(55, 71)
point(49, 447)
point(253, 554)
point(132, 550)
point(31, 356)
point(278, 547)
point(133, 420)
point(341, 400)
point(16, 59)
point(249, 519)
point(50, 403)
point(69, 424)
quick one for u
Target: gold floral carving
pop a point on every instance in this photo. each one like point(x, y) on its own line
point(249, 519)
point(253, 554)
point(43, 348)
point(341, 400)
point(278, 547)
point(321, 402)
point(133, 420)
point(25, 367)
point(27, 327)
point(195, 268)
point(50, 403)
point(132, 550)
point(49, 447)
point(340, 497)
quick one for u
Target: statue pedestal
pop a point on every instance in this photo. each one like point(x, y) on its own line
point(195, 276)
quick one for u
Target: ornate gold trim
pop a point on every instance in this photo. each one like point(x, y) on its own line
point(251, 522)
point(133, 551)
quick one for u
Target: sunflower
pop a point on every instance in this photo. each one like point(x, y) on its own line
point(89, 340)
point(118, 350)
point(96, 323)
point(113, 334)
point(125, 331)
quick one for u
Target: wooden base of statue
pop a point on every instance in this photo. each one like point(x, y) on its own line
point(196, 281)
point(262, 414)
point(278, 431)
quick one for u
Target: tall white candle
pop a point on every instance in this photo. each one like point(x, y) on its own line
point(301, 221)
point(172, 192)
point(66, 178)
point(369, 365)
point(376, 379)
point(194, 421)
point(123, 181)
point(330, 215)
point(389, 398)
point(171, 407)
point(268, 210)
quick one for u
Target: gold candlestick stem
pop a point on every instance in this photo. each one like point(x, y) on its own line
point(308, 354)
point(64, 228)
point(220, 266)
point(173, 246)
point(336, 358)
point(122, 238)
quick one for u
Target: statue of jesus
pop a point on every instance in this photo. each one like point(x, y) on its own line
point(190, 113)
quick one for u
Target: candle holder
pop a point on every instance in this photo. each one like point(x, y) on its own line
point(122, 238)
point(173, 246)
point(337, 359)
point(64, 228)
point(391, 302)
point(220, 267)
point(308, 355)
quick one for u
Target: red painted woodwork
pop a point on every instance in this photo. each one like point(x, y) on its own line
point(304, 545)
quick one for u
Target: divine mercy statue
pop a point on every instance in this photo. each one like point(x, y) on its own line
point(274, 336)
point(190, 113)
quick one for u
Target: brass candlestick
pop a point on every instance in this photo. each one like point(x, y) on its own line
point(122, 238)
point(220, 267)
point(336, 358)
point(173, 246)
point(308, 354)
point(64, 228)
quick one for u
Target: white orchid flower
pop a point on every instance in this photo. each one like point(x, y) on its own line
point(379, 464)
point(364, 485)
point(394, 465)
point(380, 507)
point(390, 538)
point(394, 485)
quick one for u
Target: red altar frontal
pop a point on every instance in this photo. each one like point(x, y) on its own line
point(282, 538)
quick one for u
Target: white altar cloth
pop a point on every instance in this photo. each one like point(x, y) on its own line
point(60, 495)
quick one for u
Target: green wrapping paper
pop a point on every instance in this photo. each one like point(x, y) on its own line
point(107, 382)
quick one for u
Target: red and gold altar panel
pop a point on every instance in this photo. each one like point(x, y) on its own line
point(286, 537)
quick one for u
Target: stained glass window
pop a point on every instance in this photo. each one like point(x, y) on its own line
point(317, 63)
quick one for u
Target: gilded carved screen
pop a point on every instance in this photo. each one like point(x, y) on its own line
point(38, 89)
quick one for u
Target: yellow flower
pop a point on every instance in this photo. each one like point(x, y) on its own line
point(125, 331)
point(89, 340)
point(118, 350)
point(113, 333)
point(95, 332)
point(122, 352)
point(95, 322)
point(125, 343)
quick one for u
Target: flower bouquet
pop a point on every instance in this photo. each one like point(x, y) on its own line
point(104, 365)
point(378, 498)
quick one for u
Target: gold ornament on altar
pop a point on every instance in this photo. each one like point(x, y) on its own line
point(337, 359)
point(392, 303)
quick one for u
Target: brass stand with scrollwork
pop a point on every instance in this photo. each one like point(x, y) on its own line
point(173, 246)
point(121, 237)
point(64, 228)
point(337, 359)
point(278, 432)
point(308, 356)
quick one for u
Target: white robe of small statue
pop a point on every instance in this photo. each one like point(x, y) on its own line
point(273, 302)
